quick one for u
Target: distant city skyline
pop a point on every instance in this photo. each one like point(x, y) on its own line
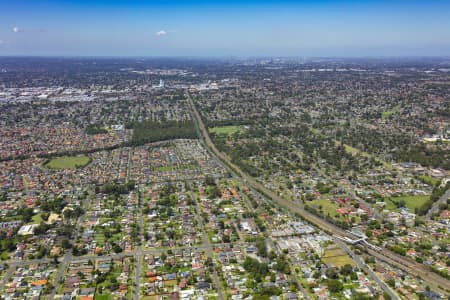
point(224, 28)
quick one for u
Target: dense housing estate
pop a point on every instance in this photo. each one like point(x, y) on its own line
point(327, 179)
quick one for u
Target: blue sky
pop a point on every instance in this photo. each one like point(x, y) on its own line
point(225, 28)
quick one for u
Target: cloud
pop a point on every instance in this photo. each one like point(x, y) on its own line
point(161, 33)
point(16, 29)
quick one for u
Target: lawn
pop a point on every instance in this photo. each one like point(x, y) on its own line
point(328, 206)
point(353, 285)
point(4, 255)
point(430, 180)
point(68, 162)
point(168, 168)
point(103, 297)
point(386, 114)
point(337, 257)
point(37, 219)
point(164, 168)
point(225, 129)
point(99, 237)
point(411, 202)
point(390, 205)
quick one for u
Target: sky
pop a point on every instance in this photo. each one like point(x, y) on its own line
point(249, 28)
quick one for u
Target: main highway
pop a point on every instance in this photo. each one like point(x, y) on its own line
point(408, 265)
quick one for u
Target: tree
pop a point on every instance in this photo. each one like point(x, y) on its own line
point(254, 267)
point(361, 296)
point(152, 131)
point(282, 265)
point(163, 256)
point(386, 296)
point(261, 246)
point(346, 269)
point(116, 248)
point(334, 285)
point(272, 255)
point(41, 252)
point(65, 243)
point(332, 273)
point(391, 282)
point(8, 245)
point(26, 214)
point(209, 180)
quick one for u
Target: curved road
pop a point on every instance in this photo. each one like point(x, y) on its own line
point(432, 279)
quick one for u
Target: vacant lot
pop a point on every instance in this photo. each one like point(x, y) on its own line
point(68, 162)
point(410, 202)
point(336, 257)
point(225, 129)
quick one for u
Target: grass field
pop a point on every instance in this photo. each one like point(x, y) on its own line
point(411, 202)
point(429, 180)
point(68, 162)
point(103, 297)
point(328, 207)
point(4, 255)
point(175, 167)
point(37, 219)
point(337, 257)
point(225, 129)
point(164, 168)
point(99, 239)
point(386, 114)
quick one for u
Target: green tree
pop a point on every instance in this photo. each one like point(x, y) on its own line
point(334, 285)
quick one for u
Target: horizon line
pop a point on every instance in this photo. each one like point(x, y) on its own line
point(225, 56)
